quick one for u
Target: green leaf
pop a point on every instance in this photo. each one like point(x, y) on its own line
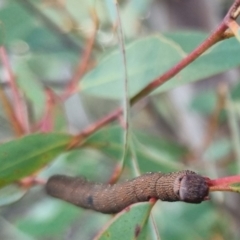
point(2, 34)
point(194, 38)
point(9, 231)
point(220, 58)
point(53, 222)
point(22, 25)
point(128, 224)
point(24, 156)
point(43, 40)
point(235, 187)
point(17, 21)
point(47, 65)
point(235, 92)
point(10, 194)
point(204, 102)
point(149, 58)
point(27, 80)
point(146, 59)
point(153, 153)
point(58, 219)
point(202, 219)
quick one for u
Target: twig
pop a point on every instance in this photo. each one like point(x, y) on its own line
point(19, 108)
point(30, 181)
point(7, 106)
point(46, 124)
point(83, 63)
point(77, 140)
point(126, 105)
point(234, 28)
point(217, 35)
point(224, 184)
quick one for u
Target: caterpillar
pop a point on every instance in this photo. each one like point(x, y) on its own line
point(186, 186)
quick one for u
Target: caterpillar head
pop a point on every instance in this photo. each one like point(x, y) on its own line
point(191, 188)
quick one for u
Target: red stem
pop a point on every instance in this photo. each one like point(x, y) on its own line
point(83, 63)
point(94, 127)
point(216, 36)
point(226, 180)
point(19, 108)
point(9, 110)
point(47, 122)
point(223, 184)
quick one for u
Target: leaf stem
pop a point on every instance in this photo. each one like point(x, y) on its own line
point(19, 109)
point(83, 62)
point(224, 184)
point(217, 35)
point(7, 106)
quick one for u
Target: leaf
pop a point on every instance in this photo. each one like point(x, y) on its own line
point(54, 221)
point(202, 219)
point(2, 34)
point(58, 219)
point(11, 194)
point(9, 231)
point(128, 224)
point(23, 25)
point(43, 40)
point(24, 156)
point(235, 187)
point(194, 38)
point(235, 92)
point(16, 20)
point(146, 59)
point(153, 153)
point(204, 102)
point(150, 57)
point(220, 58)
point(27, 80)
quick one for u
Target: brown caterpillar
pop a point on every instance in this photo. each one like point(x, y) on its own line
point(186, 186)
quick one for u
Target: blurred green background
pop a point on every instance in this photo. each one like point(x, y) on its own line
point(182, 125)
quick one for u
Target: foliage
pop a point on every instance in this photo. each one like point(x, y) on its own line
point(61, 65)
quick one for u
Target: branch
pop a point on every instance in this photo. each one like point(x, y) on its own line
point(215, 37)
point(19, 110)
point(83, 62)
point(8, 108)
point(221, 32)
point(78, 139)
point(230, 184)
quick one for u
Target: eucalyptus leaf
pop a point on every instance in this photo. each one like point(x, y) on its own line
point(128, 224)
point(24, 156)
point(146, 59)
point(150, 57)
point(2, 34)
